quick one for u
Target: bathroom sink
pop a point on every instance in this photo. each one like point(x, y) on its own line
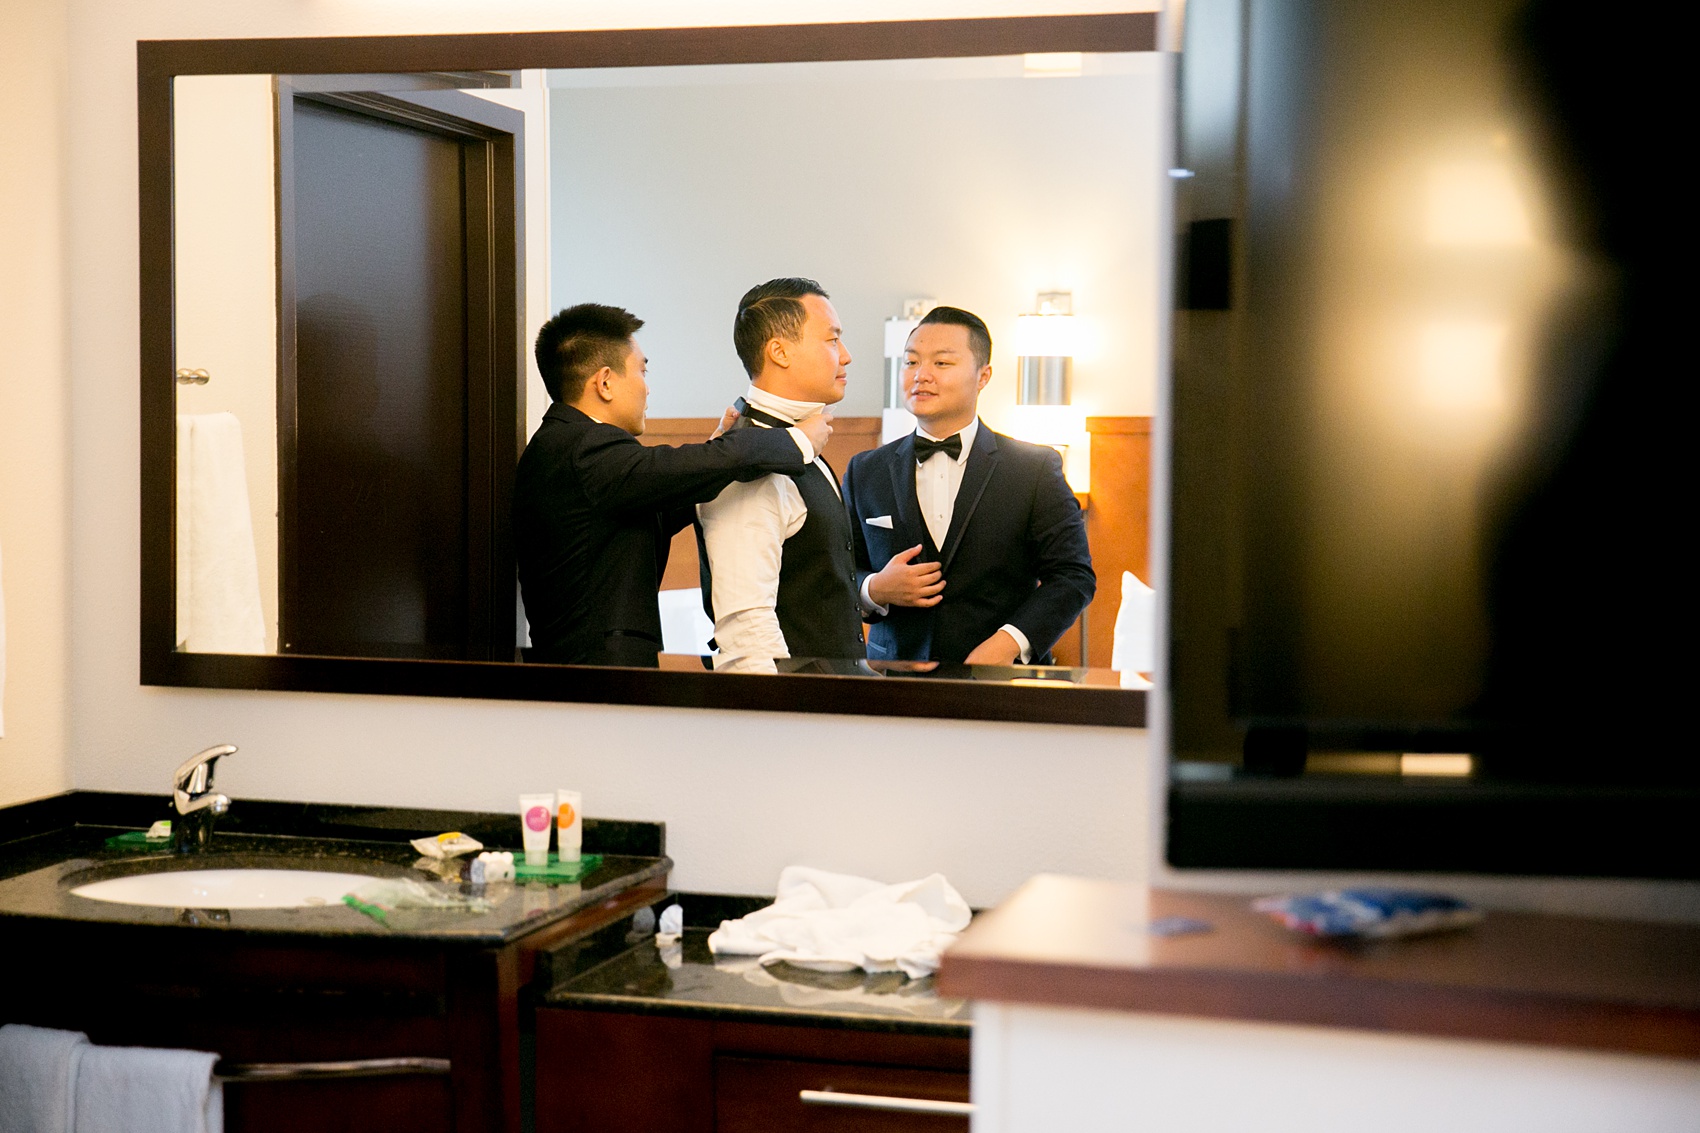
point(226, 888)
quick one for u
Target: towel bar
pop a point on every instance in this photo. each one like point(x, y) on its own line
point(356, 1068)
point(886, 1104)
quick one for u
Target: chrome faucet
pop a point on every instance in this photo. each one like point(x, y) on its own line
point(197, 804)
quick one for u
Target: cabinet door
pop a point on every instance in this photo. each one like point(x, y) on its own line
point(764, 1095)
point(356, 1105)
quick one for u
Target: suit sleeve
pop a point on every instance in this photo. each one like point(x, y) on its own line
point(619, 474)
point(1056, 531)
point(859, 540)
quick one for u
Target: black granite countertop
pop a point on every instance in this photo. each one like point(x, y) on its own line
point(623, 969)
point(62, 843)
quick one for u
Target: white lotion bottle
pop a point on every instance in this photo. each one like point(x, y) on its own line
point(534, 827)
point(569, 824)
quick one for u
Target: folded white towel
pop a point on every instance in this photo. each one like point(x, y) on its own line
point(59, 1082)
point(218, 578)
point(833, 922)
point(136, 1089)
point(37, 1076)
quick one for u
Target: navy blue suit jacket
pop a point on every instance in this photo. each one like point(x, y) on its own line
point(1015, 554)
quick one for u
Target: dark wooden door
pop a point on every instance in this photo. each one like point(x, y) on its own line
point(401, 376)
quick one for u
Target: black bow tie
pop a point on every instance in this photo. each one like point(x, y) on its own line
point(951, 446)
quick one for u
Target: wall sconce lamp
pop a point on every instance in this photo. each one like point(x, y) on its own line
point(1045, 344)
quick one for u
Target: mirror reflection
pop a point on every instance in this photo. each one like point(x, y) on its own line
point(364, 264)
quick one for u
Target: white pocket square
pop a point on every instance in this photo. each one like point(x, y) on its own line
point(880, 521)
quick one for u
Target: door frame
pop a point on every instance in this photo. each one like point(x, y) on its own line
point(491, 138)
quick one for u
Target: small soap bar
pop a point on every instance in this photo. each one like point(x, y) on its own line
point(447, 845)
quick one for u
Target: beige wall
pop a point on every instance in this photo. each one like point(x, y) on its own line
point(34, 407)
point(743, 793)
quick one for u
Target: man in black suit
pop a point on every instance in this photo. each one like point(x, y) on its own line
point(970, 547)
point(594, 511)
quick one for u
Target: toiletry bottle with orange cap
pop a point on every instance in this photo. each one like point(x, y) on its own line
point(569, 825)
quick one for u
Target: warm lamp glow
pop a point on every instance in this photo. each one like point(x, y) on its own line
point(1046, 336)
point(1461, 366)
point(1475, 204)
point(1053, 64)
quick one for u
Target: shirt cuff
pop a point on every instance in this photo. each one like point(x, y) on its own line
point(802, 439)
point(869, 606)
point(1026, 647)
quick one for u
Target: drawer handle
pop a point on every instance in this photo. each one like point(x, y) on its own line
point(887, 1104)
point(357, 1068)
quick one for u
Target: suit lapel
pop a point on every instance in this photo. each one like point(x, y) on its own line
point(908, 504)
point(982, 458)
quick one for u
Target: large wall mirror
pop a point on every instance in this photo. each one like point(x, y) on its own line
point(348, 245)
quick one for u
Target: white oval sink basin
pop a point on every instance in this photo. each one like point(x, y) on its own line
point(226, 888)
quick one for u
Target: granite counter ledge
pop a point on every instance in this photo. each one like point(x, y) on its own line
point(622, 970)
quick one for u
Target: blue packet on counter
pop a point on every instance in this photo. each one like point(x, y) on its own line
point(1368, 913)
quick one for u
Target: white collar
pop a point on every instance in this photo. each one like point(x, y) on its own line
point(968, 432)
point(792, 411)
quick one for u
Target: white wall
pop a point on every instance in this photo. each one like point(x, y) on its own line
point(675, 189)
point(34, 406)
point(1038, 1069)
point(531, 98)
point(743, 793)
point(225, 194)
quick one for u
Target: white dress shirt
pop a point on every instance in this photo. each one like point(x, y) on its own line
point(937, 481)
point(744, 529)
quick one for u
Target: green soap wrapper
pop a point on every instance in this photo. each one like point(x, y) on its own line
point(137, 840)
point(556, 870)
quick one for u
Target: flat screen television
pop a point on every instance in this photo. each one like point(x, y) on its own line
point(1430, 572)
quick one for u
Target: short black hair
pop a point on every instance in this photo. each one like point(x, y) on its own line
point(979, 338)
point(768, 311)
point(580, 341)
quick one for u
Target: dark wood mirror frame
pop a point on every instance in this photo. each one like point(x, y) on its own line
point(158, 62)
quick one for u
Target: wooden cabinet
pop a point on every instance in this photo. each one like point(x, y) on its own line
point(273, 998)
point(615, 1072)
point(755, 1095)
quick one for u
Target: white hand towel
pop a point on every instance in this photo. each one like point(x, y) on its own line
point(218, 577)
point(134, 1089)
point(37, 1068)
point(1135, 648)
point(834, 922)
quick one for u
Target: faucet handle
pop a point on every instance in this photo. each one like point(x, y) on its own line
point(195, 775)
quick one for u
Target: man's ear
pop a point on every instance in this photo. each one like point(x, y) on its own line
point(985, 376)
point(603, 383)
point(778, 352)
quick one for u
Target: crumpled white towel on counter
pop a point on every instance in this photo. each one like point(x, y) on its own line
point(833, 922)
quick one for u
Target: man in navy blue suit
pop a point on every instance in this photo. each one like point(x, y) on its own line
point(970, 547)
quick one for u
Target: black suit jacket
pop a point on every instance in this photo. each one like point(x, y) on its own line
point(594, 514)
point(1016, 552)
